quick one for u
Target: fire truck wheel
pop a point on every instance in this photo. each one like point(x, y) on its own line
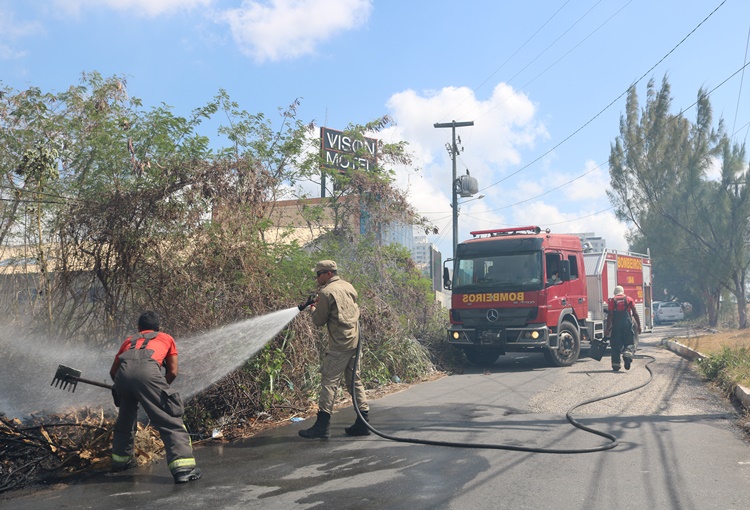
point(569, 347)
point(481, 358)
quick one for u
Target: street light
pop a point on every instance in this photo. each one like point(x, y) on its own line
point(480, 197)
point(458, 209)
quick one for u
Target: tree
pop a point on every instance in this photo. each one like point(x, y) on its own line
point(137, 208)
point(658, 169)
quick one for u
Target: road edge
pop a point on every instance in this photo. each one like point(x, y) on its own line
point(740, 392)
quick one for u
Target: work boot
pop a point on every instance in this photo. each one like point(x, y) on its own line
point(117, 467)
point(615, 368)
point(185, 475)
point(321, 429)
point(628, 360)
point(360, 427)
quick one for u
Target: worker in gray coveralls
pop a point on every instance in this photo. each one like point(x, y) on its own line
point(136, 372)
point(337, 308)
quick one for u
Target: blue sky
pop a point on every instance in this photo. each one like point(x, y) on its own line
point(543, 81)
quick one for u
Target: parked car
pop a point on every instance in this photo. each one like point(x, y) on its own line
point(668, 311)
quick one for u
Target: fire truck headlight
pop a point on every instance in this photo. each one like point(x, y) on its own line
point(535, 334)
point(456, 335)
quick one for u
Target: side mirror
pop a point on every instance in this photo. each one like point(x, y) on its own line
point(446, 279)
point(565, 270)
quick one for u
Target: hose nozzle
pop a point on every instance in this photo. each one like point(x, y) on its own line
point(310, 300)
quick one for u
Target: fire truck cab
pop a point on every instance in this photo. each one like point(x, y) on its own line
point(522, 289)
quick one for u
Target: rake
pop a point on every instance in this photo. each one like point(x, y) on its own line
point(68, 378)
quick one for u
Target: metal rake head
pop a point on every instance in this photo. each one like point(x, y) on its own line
point(66, 377)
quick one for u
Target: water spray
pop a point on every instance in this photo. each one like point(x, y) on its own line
point(201, 364)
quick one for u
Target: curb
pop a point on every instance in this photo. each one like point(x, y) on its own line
point(740, 392)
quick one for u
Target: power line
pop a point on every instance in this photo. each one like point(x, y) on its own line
point(739, 94)
point(555, 41)
point(444, 231)
point(553, 63)
point(609, 105)
point(509, 58)
point(673, 118)
point(542, 223)
point(546, 192)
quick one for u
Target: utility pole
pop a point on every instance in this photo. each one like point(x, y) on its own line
point(453, 149)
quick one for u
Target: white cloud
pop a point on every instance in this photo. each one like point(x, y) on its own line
point(11, 30)
point(505, 125)
point(265, 30)
point(148, 8)
point(284, 29)
point(583, 185)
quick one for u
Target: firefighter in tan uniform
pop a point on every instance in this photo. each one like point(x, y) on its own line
point(337, 309)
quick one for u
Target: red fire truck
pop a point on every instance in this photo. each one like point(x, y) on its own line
point(524, 289)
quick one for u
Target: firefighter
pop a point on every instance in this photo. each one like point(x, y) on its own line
point(337, 308)
point(138, 379)
point(622, 323)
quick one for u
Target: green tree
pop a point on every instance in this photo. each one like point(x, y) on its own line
point(658, 169)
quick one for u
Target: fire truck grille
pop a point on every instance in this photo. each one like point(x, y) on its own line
point(506, 317)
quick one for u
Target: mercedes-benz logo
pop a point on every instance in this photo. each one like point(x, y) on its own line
point(492, 315)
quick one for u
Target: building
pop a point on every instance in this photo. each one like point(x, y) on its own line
point(420, 252)
point(398, 233)
point(427, 257)
point(596, 243)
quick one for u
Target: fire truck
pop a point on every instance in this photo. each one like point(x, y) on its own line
point(523, 289)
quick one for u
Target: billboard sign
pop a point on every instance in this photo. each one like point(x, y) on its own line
point(344, 152)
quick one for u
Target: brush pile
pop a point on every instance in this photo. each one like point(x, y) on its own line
point(60, 446)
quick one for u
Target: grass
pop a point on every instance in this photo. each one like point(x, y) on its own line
point(716, 342)
point(727, 359)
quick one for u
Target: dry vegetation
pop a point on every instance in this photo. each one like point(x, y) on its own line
point(727, 354)
point(57, 447)
point(714, 343)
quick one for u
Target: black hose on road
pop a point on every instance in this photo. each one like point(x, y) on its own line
point(612, 444)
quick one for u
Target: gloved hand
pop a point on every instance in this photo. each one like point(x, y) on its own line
point(310, 300)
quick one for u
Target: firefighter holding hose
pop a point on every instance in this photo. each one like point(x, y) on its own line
point(336, 307)
point(622, 323)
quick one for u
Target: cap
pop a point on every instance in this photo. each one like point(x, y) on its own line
point(619, 290)
point(325, 265)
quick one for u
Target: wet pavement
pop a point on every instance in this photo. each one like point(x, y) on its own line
point(678, 449)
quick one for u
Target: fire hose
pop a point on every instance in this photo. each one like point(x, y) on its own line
point(613, 441)
point(69, 377)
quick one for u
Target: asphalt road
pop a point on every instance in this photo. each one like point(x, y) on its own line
point(679, 448)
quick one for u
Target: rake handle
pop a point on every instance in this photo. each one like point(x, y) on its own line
point(89, 381)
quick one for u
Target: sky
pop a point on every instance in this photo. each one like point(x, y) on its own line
point(544, 81)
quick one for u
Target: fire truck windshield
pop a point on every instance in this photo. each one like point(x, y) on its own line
point(506, 271)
